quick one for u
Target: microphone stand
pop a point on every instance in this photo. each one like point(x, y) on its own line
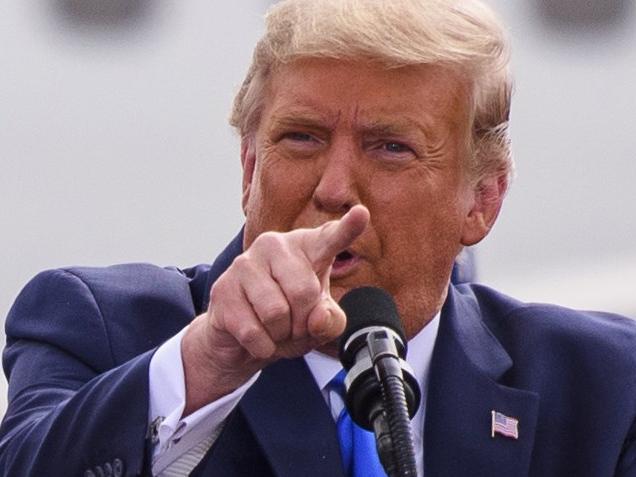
point(382, 393)
point(382, 397)
point(392, 426)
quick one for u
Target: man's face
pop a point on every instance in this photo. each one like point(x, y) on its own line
point(334, 134)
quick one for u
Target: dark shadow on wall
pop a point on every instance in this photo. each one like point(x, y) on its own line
point(103, 14)
point(594, 16)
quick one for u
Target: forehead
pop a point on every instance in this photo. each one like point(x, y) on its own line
point(355, 91)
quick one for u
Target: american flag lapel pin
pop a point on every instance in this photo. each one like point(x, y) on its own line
point(504, 425)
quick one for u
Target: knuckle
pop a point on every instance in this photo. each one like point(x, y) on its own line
point(256, 342)
point(304, 291)
point(230, 323)
point(270, 241)
point(216, 290)
point(299, 329)
point(224, 286)
point(242, 263)
point(248, 335)
point(274, 311)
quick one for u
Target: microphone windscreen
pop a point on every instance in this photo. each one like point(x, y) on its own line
point(369, 306)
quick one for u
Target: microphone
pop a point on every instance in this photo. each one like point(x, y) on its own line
point(382, 394)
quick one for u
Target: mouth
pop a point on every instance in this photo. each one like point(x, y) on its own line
point(344, 263)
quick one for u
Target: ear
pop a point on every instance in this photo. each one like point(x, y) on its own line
point(248, 161)
point(489, 194)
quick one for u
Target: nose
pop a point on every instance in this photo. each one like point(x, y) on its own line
point(336, 191)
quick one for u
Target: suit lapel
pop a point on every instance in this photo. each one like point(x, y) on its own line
point(201, 285)
point(462, 393)
point(292, 423)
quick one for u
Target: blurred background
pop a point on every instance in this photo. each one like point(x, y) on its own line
point(114, 143)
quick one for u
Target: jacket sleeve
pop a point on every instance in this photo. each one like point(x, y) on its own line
point(73, 410)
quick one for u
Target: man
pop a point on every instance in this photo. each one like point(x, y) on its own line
point(374, 148)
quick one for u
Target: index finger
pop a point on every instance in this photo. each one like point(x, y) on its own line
point(322, 244)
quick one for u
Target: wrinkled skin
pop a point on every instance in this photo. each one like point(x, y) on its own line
point(388, 148)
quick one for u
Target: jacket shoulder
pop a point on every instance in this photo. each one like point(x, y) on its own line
point(77, 365)
point(571, 341)
point(128, 308)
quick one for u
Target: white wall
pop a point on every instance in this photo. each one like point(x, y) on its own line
point(114, 147)
point(567, 231)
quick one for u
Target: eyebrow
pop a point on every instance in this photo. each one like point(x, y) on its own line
point(383, 128)
point(308, 115)
point(399, 127)
point(311, 121)
point(301, 108)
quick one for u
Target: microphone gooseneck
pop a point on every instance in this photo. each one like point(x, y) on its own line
point(382, 393)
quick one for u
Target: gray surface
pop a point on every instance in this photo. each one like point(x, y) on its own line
point(114, 147)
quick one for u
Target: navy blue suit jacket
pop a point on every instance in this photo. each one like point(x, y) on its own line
point(79, 342)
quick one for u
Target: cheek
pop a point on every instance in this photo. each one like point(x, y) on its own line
point(415, 201)
point(419, 222)
point(420, 236)
point(286, 183)
point(279, 191)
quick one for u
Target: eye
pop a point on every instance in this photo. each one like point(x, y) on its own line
point(391, 151)
point(395, 150)
point(298, 143)
point(298, 136)
point(396, 147)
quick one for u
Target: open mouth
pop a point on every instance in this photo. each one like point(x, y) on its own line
point(344, 256)
point(344, 263)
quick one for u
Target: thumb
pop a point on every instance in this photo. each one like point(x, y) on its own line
point(327, 320)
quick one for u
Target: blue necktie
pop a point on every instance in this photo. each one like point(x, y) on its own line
point(357, 446)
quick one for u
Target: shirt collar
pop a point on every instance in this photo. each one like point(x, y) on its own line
point(420, 352)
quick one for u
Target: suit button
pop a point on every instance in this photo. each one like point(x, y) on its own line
point(89, 473)
point(118, 468)
point(108, 470)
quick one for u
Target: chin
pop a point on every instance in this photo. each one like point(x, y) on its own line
point(340, 287)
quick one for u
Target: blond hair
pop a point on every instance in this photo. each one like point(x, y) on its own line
point(462, 34)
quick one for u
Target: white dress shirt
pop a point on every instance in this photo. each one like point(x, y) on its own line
point(180, 444)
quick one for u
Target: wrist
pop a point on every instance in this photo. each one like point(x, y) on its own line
point(211, 371)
